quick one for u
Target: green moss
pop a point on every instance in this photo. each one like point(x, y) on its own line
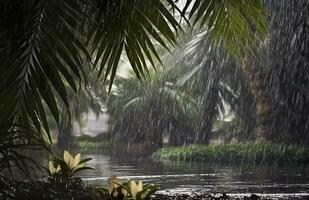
point(250, 153)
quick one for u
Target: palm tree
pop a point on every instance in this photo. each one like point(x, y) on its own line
point(44, 45)
point(221, 79)
point(259, 82)
point(288, 73)
point(231, 41)
point(173, 97)
point(277, 76)
point(145, 112)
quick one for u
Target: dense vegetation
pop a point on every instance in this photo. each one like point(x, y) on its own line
point(244, 153)
point(228, 77)
point(205, 97)
point(52, 50)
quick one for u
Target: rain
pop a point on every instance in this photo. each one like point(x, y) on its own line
point(154, 100)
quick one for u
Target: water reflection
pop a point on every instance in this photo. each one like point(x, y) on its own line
point(207, 177)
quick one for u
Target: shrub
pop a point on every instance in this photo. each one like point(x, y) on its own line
point(249, 153)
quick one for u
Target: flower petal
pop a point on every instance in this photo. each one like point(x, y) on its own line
point(76, 160)
point(58, 168)
point(51, 167)
point(77, 167)
point(67, 157)
point(140, 186)
point(133, 188)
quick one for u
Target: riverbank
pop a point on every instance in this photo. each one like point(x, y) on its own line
point(45, 190)
point(192, 178)
point(242, 153)
point(87, 144)
point(91, 144)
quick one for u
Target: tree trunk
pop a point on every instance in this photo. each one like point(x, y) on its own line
point(211, 75)
point(259, 83)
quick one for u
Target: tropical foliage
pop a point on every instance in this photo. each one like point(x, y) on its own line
point(246, 153)
point(170, 104)
point(45, 48)
point(46, 44)
point(130, 189)
point(166, 109)
point(235, 25)
point(62, 170)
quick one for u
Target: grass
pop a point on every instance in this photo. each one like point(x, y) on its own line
point(243, 153)
point(91, 144)
point(87, 144)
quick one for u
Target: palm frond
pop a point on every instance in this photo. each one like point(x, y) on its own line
point(45, 45)
point(236, 25)
point(130, 26)
point(41, 54)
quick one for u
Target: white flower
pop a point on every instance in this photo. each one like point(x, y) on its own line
point(135, 188)
point(72, 162)
point(52, 168)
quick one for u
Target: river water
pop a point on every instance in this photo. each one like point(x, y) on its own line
point(274, 182)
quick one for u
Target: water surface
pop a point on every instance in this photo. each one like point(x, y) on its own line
point(278, 182)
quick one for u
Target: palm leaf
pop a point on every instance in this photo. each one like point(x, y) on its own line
point(44, 47)
point(134, 23)
point(236, 25)
point(39, 60)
